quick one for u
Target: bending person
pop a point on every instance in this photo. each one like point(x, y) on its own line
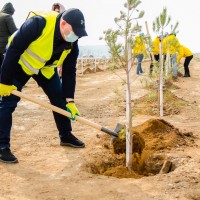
point(43, 42)
point(186, 53)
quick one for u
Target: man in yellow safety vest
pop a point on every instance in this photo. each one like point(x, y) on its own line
point(45, 41)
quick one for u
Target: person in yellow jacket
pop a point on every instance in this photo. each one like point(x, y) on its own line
point(186, 53)
point(139, 50)
point(171, 45)
point(45, 41)
point(156, 47)
point(155, 50)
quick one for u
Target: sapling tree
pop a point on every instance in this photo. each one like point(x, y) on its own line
point(160, 23)
point(120, 43)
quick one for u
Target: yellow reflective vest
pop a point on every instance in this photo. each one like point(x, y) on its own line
point(139, 46)
point(183, 52)
point(40, 51)
point(155, 46)
point(170, 44)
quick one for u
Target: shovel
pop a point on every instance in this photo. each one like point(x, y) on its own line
point(68, 114)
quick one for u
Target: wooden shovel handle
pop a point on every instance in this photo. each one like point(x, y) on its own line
point(64, 112)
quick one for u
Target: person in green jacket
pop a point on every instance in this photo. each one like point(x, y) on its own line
point(7, 25)
point(186, 53)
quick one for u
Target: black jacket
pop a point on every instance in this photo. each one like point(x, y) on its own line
point(27, 33)
point(7, 25)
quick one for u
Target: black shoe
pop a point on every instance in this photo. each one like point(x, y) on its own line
point(72, 141)
point(6, 156)
point(174, 78)
point(186, 75)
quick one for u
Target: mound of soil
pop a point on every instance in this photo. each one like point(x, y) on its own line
point(119, 144)
point(98, 69)
point(88, 70)
point(152, 140)
point(159, 134)
point(172, 104)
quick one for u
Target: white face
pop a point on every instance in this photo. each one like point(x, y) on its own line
point(57, 10)
point(65, 28)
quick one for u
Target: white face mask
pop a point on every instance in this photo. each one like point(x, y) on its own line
point(71, 37)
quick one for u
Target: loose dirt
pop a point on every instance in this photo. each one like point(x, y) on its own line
point(167, 166)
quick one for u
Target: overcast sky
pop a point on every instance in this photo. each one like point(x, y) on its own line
point(99, 16)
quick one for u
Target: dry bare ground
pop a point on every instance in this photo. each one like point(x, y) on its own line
point(48, 171)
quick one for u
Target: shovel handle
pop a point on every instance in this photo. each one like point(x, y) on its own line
point(64, 112)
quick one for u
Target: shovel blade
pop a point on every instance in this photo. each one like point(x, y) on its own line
point(117, 129)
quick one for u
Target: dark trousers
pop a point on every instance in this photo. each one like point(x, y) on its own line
point(1, 59)
point(186, 64)
point(52, 88)
point(156, 57)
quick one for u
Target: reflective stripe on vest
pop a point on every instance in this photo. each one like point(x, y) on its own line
point(36, 56)
point(35, 71)
point(25, 62)
point(40, 50)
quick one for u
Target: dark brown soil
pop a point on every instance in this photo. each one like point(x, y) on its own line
point(151, 142)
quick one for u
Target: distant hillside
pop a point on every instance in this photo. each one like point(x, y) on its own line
point(101, 51)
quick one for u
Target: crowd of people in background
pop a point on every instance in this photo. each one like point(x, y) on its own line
point(166, 45)
point(170, 44)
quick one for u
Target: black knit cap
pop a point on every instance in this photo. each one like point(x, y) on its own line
point(75, 18)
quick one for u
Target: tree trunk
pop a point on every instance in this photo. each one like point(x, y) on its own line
point(129, 143)
point(161, 82)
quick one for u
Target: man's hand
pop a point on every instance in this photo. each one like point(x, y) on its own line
point(5, 90)
point(71, 107)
